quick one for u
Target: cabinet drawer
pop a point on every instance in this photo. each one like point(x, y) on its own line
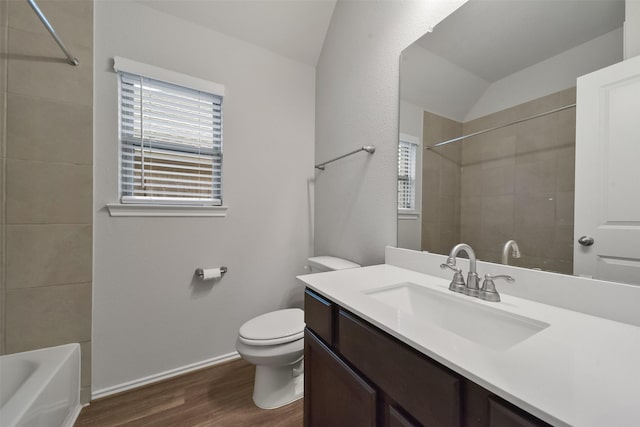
point(429, 392)
point(317, 315)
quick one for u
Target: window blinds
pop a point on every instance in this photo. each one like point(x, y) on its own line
point(407, 175)
point(171, 143)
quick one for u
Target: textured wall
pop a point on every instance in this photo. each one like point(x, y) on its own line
point(357, 104)
point(150, 314)
point(48, 180)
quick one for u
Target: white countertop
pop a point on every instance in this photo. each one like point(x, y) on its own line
point(582, 370)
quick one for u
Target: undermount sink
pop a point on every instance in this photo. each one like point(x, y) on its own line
point(469, 319)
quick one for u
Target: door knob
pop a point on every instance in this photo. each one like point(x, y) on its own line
point(586, 241)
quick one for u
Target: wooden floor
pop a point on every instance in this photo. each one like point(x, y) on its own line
point(216, 396)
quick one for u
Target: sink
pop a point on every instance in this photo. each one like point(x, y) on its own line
point(487, 326)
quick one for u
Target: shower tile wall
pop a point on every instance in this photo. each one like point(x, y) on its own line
point(518, 183)
point(441, 176)
point(47, 187)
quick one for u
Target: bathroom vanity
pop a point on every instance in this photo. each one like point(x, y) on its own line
point(357, 375)
point(390, 346)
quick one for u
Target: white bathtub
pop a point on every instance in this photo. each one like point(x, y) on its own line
point(40, 388)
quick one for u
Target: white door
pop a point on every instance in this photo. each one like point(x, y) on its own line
point(607, 206)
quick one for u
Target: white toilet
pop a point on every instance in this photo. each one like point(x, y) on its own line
point(274, 343)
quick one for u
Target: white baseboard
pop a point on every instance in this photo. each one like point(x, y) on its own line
point(98, 394)
point(73, 416)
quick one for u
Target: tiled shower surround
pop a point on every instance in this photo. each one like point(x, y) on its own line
point(47, 184)
point(441, 178)
point(512, 183)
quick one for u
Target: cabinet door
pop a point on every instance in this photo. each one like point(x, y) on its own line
point(500, 415)
point(396, 419)
point(334, 394)
point(427, 391)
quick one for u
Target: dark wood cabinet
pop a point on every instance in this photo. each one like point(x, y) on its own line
point(397, 419)
point(502, 415)
point(427, 391)
point(318, 315)
point(357, 375)
point(340, 396)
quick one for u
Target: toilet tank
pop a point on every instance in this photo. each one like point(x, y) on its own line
point(319, 264)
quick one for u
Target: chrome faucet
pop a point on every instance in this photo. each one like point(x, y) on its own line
point(488, 291)
point(471, 287)
point(515, 251)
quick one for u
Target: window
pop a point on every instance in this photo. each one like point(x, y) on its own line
point(170, 137)
point(407, 175)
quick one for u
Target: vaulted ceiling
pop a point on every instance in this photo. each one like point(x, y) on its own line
point(492, 54)
point(493, 39)
point(292, 28)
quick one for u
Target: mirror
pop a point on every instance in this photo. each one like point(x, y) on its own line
point(495, 84)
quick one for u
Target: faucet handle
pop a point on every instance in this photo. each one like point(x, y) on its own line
point(500, 276)
point(452, 267)
point(457, 283)
point(488, 291)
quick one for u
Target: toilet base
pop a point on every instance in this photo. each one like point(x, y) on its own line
point(276, 386)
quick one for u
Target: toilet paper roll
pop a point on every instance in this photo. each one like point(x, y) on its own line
point(211, 273)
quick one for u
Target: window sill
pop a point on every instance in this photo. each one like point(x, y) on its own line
point(124, 209)
point(407, 214)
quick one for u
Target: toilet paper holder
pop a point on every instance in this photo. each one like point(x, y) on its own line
point(200, 271)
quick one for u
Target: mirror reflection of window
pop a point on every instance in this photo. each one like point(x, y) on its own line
point(407, 156)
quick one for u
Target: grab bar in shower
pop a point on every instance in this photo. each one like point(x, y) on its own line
point(72, 60)
point(460, 138)
point(368, 148)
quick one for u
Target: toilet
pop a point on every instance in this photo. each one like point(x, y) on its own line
point(274, 342)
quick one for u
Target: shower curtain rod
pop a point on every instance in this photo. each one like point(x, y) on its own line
point(72, 60)
point(460, 138)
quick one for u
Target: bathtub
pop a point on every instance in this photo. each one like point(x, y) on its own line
point(40, 388)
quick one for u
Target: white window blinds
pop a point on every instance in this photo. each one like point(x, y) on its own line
point(407, 175)
point(171, 143)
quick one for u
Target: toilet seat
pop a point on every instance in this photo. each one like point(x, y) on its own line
point(276, 327)
point(273, 341)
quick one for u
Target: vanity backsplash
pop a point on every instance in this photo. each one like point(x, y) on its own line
point(610, 300)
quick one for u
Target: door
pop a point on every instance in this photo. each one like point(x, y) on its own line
point(607, 198)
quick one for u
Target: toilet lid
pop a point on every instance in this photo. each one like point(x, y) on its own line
point(281, 325)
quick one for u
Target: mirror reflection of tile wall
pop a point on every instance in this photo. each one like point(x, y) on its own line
point(513, 183)
point(441, 179)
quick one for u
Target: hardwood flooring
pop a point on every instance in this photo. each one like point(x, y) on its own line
point(216, 396)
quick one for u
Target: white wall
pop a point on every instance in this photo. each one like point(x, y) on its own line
point(149, 314)
point(439, 86)
point(549, 76)
point(357, 104)
point(410, 226)
point(444, 88)
point(632, 29)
